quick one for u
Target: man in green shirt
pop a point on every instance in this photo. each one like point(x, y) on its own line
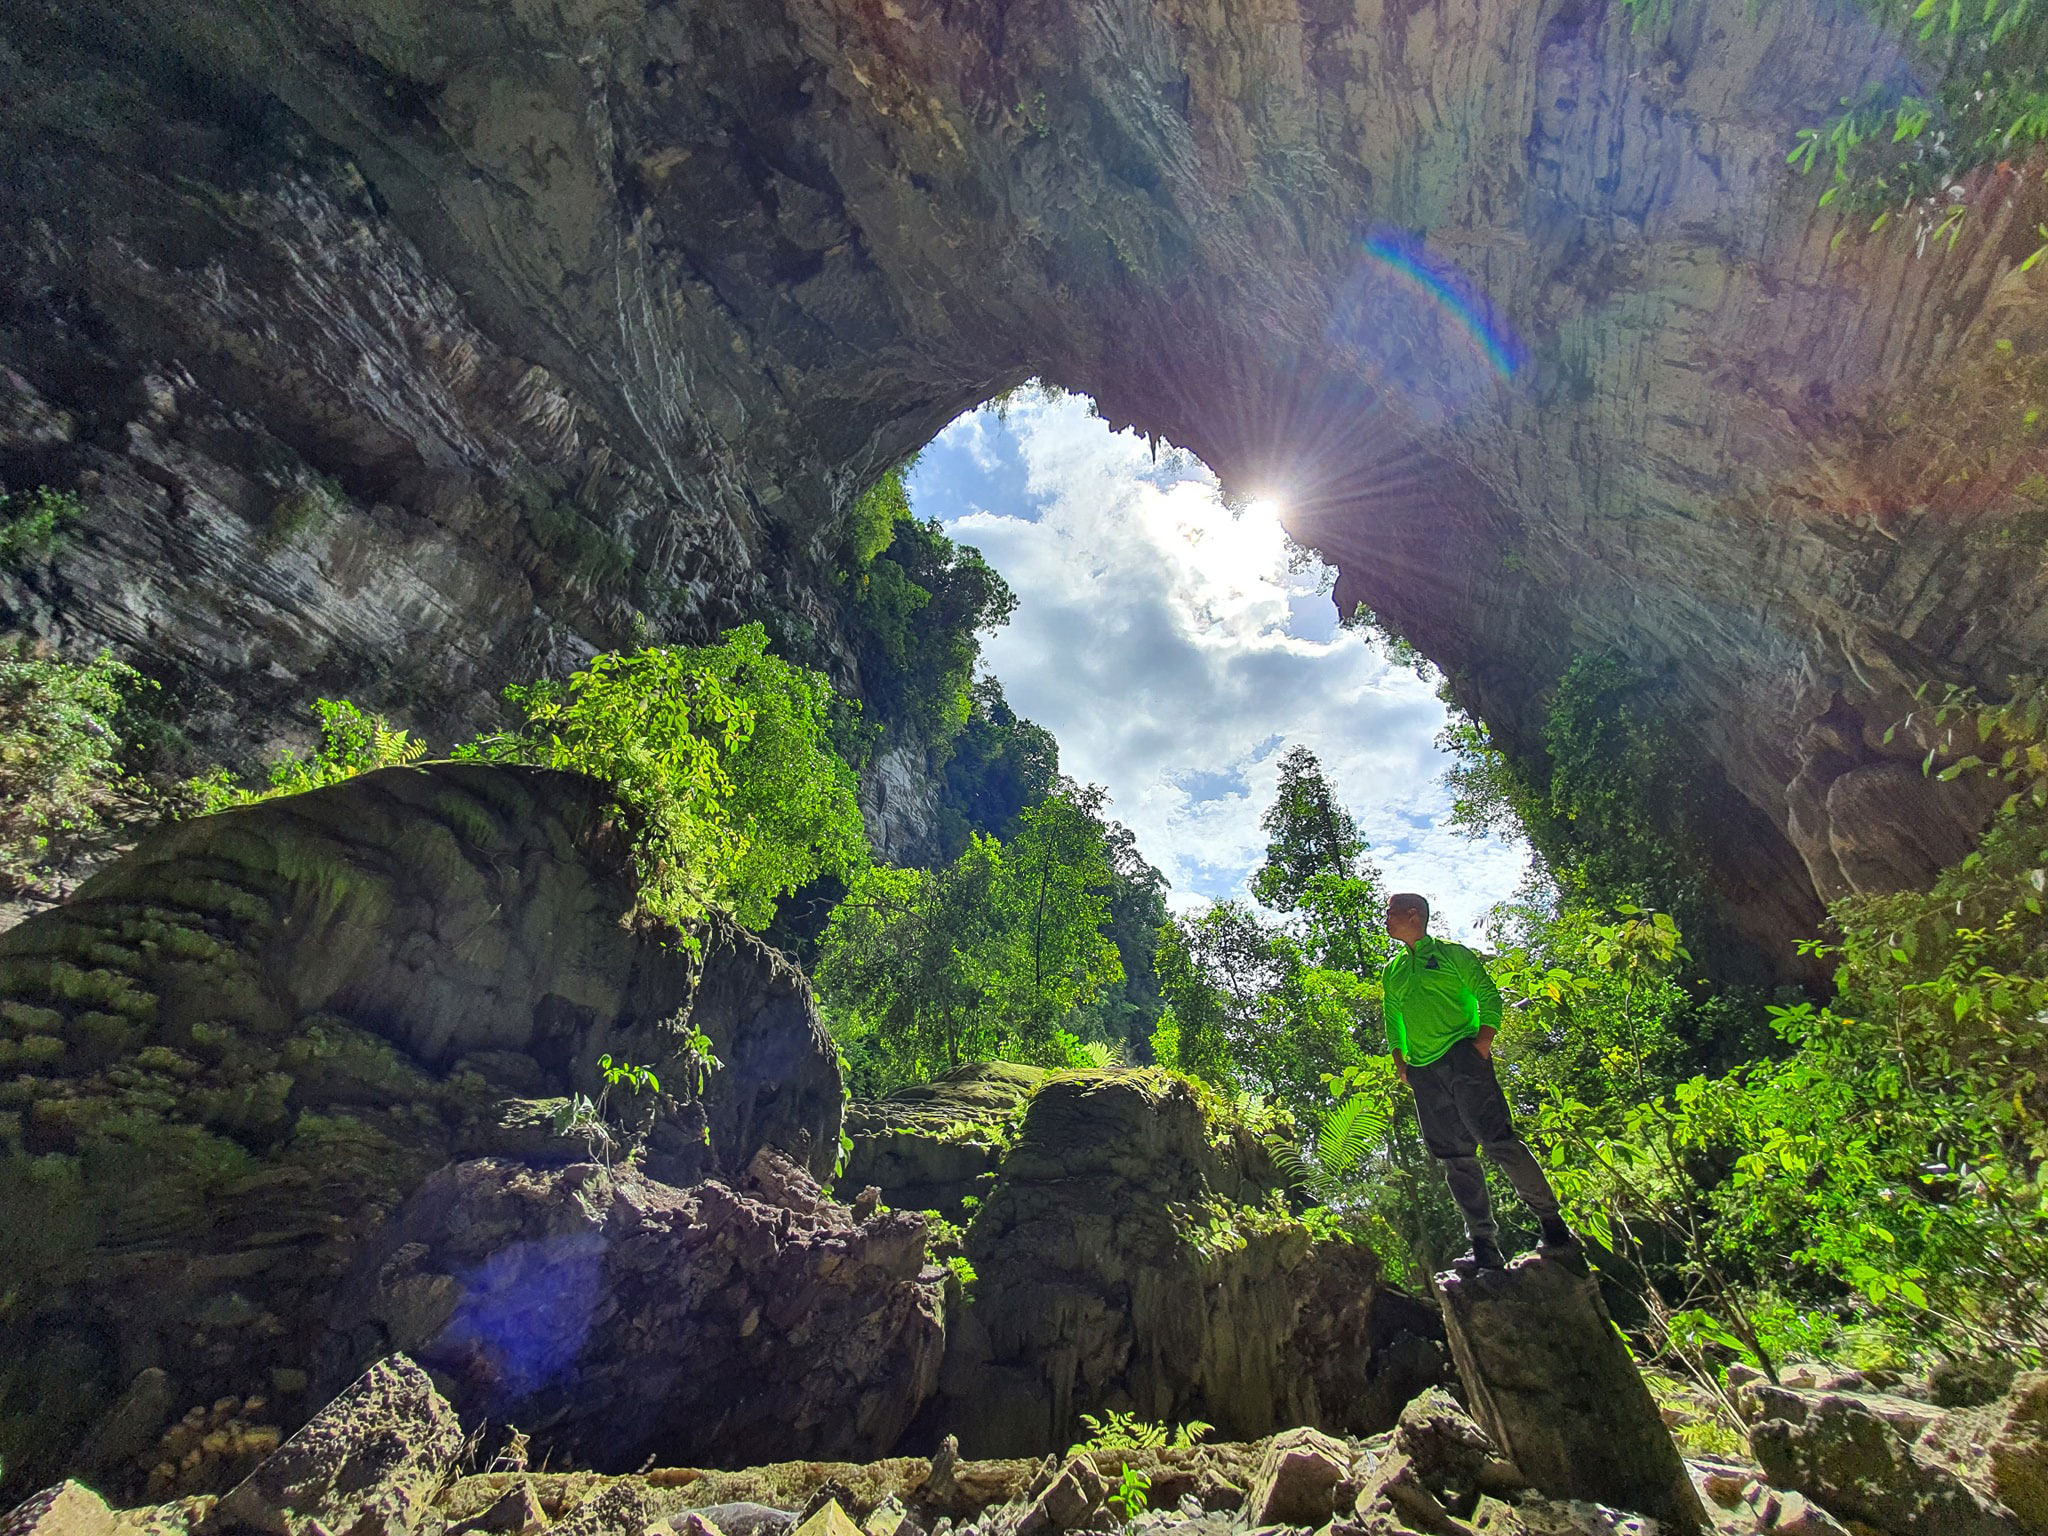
point(1442, 1010)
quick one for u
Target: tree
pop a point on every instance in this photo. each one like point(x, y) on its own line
point(1001, 766)
point(1127, 1011)
point(917, 609)
point(1053, 902)
point(1250, 1009)
point(905, 957)
point(1316, 866)
point(988, 956)
point(723, 753)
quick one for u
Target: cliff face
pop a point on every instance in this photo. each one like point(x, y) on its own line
point(406, 349)
point(233, 1054)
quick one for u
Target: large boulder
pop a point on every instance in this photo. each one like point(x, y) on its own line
point(1903, 1466)
point(1554, 1385)
point(240, 1048)
point(936, 1145)
point(1135, 1253)
point(621, 1319)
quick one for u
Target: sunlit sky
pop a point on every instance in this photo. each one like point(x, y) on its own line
point(1168, 645)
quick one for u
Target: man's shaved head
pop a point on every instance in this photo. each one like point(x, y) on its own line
point(1408, 901)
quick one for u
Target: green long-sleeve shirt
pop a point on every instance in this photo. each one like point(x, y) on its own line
point(1437, 994)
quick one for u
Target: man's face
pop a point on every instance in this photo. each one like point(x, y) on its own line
point(1405, 923)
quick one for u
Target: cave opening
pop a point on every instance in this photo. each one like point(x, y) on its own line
point(1177, 640)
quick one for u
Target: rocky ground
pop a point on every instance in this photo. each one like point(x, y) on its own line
point(390, 1456)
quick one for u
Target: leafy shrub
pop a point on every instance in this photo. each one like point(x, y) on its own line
point(725, 756)
point(32, 523)
point(351, 742)
point(60, 756)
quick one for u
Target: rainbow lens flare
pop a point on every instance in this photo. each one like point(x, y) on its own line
point(1454, 294)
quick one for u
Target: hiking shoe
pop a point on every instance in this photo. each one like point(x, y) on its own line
point(1485, 1254)
point(1556, 1234)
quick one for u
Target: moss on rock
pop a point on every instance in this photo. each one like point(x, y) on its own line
point(235, 1051)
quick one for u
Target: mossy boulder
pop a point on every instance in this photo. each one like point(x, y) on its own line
point(935, 1145)
point(236, 1051)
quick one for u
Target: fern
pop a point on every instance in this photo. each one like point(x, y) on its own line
point(1341, 1142)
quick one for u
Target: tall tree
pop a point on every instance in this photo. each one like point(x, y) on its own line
point(1316, 865)
point(984, 957)
point(906, 960)
point(1053, 902)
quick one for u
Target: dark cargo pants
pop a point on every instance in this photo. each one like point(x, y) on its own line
point(1459, 1105)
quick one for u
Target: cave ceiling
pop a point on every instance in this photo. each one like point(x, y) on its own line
point(575, 320)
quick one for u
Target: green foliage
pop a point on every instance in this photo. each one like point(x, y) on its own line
point(725, 756)
point(1969, 90)
point(61, 775)
point(624, 1074)
point(1124, 1014)
point(1614, 803)
point(1116, 1431)
point(900, 969)
point(1594, 999)
point(1251, 1008)
point(305, 508)
point(1001, 766)
point(1898, 144)
point(872, 522)
point(962, 1270)
point(1397, 651)
point(1316, 866)
point(1342, 1142)
point(1132, 1493)
point(1276, 1007)
point(1489, 798)
point(985, 957)
point(32, 524)
point(1621, 786)
point(916, 611)
point(351, 742)
point(1053, 903)
point(699, 1061)
point(591, 1120)
point(1882, 1180)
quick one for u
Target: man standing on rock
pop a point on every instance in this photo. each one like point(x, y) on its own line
point(1442, 1011)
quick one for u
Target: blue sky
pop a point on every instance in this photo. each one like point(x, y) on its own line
point(1177, 649)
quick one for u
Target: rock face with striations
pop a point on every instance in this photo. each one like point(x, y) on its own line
point(1134, 1254)
point(237, 1051)
point(934, 1145)
point(1554, 1385)
point(404, 350)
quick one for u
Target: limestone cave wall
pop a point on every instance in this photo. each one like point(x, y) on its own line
point(405, 349)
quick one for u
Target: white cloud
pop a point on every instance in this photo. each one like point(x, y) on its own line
point(1166, 643)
